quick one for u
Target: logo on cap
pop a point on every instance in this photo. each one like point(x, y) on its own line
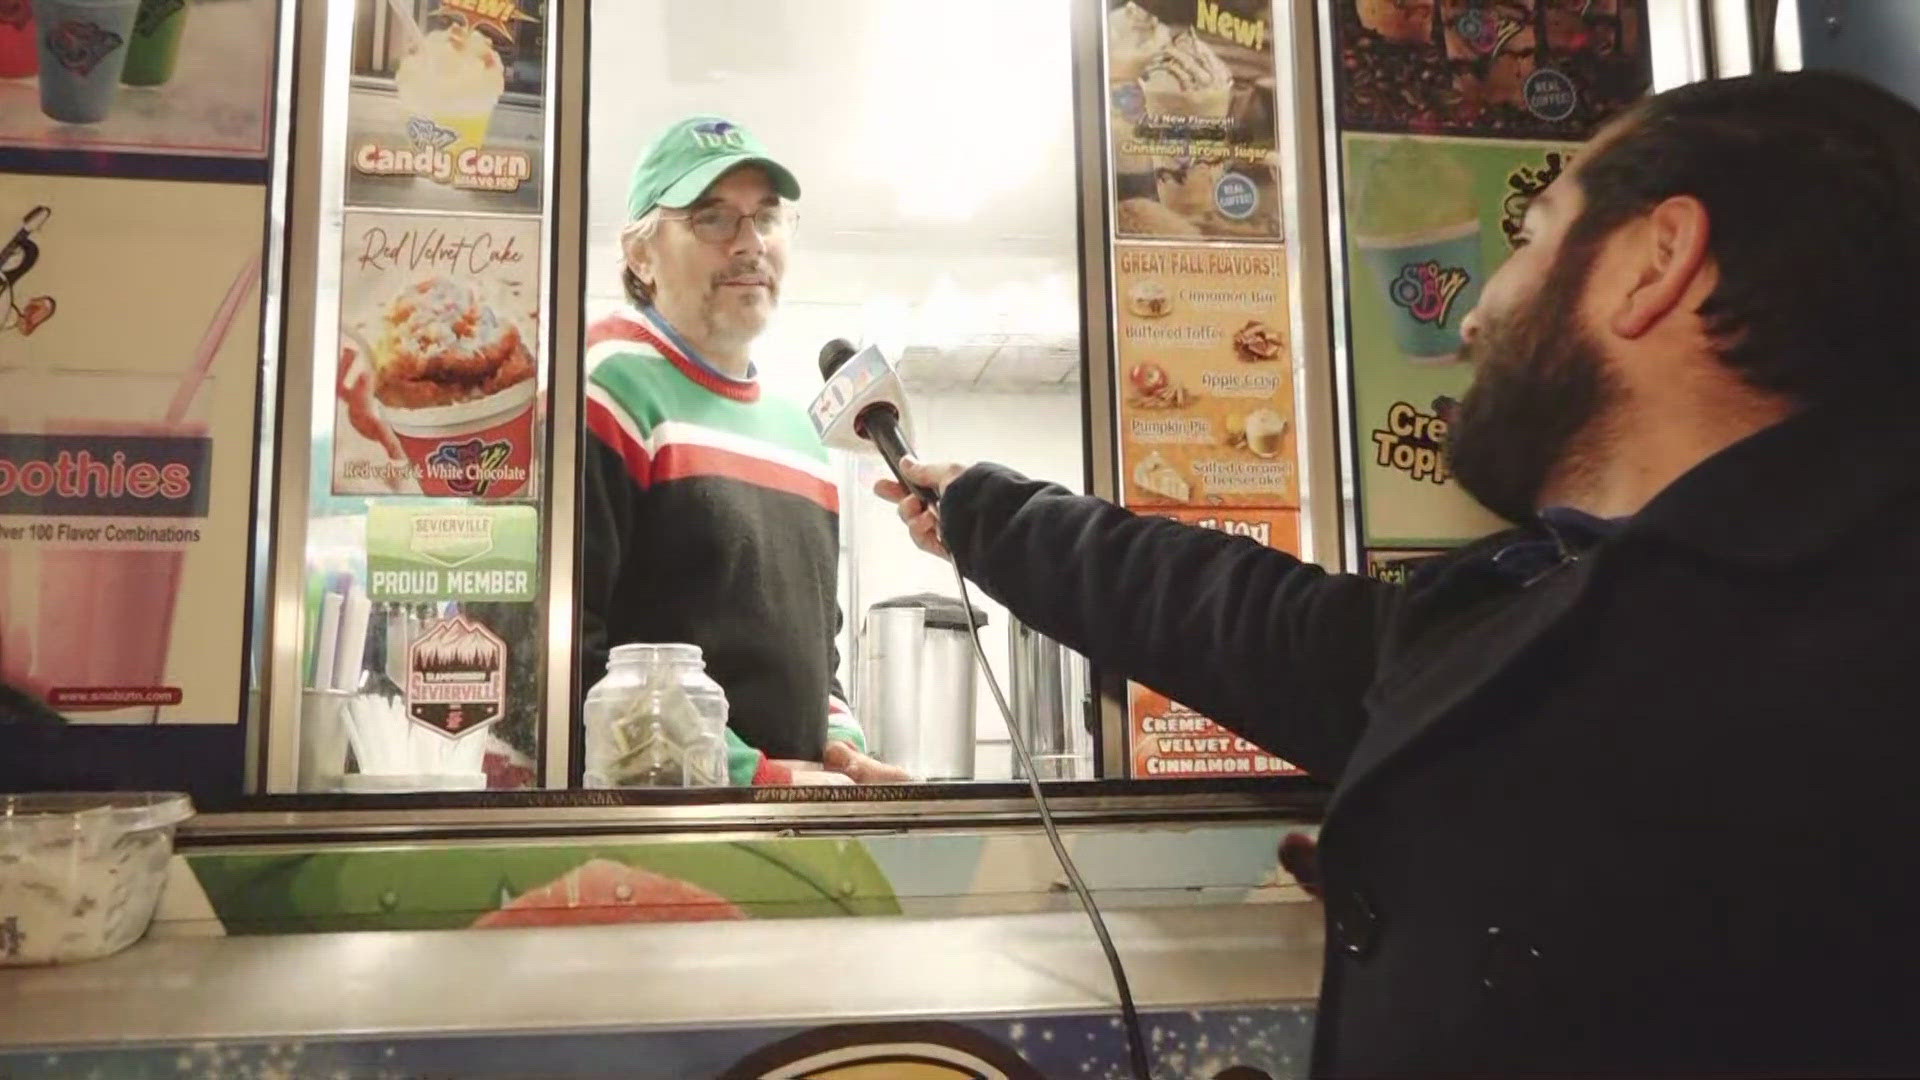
point(719, 135)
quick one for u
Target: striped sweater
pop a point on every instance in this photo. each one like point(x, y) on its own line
point(710, 517)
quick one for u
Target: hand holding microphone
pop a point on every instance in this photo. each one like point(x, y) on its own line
point(922, 518)
point(863, 405)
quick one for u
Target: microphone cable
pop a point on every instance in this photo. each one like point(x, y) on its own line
point(1130, 1015)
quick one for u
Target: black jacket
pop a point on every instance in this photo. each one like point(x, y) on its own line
point(1652, 809)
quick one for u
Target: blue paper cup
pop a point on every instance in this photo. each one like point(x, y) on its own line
point(83, 50)
point(1426, 284)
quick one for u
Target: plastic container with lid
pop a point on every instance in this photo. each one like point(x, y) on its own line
point(81, 874)
point(656, 720)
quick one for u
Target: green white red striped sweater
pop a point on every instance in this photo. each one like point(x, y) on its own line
point(711, 518)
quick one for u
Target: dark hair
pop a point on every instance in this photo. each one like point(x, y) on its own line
point(637, 292)
point(1811, 183)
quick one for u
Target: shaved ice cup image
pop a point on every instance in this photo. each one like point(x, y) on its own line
point(154, 54)
point(1413, 221)
point(83, 51)
point(1424, 286)
point(479, 449)
point(86, 613)
point(452, 81)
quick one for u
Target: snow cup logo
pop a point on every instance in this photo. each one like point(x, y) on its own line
point(1487, 32)
point(428, 135)
point(15, 13)
point(471, 467)
point(1427, 290)
point(914, 1051)
point(456, 676)
point(80, 44)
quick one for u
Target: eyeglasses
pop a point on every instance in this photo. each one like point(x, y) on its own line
point(720, 224)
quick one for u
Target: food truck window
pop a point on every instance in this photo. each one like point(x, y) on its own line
point(932, 150)
point(574, 477)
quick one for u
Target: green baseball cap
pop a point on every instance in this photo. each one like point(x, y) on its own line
point(689, 156)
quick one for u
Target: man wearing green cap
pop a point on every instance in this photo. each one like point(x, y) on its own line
point(711, 515)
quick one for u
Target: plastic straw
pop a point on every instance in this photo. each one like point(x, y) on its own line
point(210, 342)
point(414, 36)
point(354, 618)
point(327, 647)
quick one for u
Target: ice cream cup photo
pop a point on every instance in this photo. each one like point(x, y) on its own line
point(475, 449)
point(456, 383)
point(1187, 79)
point(453, 79)
point(1424, 286)
point(1266, 433)
point(1415, 223)
point(154, 52)
point(83, 52)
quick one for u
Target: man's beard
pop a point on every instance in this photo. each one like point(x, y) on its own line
point(1541, 386)
point(732, 317)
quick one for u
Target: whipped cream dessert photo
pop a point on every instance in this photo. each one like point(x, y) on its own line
point(1193, 119)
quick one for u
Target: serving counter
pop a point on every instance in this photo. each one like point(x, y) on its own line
point(679, 1001)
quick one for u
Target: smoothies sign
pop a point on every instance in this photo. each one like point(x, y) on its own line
point(124, 429)
point(438, 331)
point(101, 522)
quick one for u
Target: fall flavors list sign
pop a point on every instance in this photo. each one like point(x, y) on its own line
point(1207, 409)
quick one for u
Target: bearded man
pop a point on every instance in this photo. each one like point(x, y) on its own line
point(1627, 789)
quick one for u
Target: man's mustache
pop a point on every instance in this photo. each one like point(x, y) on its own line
point(747, 272)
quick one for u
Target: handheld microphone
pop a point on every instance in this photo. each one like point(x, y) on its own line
point(863, 402)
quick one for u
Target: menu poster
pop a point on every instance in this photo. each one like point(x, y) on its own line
point(1168, 739)
point(1427, 221)
point(448, 113)
point(1268, 527)
point(1193, 119)
point(436, 392)
point(127, 414)
point(1172, 742)
point(1531, 69)
point(177, 77)
point(1206, 406)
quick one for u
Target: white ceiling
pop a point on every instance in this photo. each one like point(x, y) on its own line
point(933, 143)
